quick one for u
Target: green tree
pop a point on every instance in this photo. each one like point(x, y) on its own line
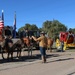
point(29, 27)
point(53, 28)
point(34, 27)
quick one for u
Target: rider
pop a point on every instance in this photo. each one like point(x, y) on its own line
point(8, 37)
point(7, 32)
point(27, 33)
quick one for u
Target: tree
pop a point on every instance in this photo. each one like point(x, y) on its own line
point(34, 27)
point(53, 28)
point(29, 27)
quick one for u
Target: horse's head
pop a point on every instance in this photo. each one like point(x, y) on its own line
point(26, 41)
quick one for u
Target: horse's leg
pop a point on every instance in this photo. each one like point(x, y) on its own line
point(50, 49)
point(19, 54)
point(28, 51)
point(12, 55)
point(47, 48)
point(10, 50)
point(31, 50)
point(8, 55)
point(22, 51)
point(2, 52)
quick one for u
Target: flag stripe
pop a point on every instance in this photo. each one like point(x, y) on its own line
point(2, 21)
point(1, 24)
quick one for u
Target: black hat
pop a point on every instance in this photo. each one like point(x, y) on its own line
point(8, 26)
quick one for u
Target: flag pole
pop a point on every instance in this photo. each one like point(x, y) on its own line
point(14, 30)
point(2, 17)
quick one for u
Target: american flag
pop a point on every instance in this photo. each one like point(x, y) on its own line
point(2, 20)
point(1, 23)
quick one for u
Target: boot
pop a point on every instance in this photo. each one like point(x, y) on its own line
point(43, 59)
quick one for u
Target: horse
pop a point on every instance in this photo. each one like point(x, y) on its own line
point(26, 41)
point(49, 44)
point(6, 46)
point(18, 45)
point(28, 44)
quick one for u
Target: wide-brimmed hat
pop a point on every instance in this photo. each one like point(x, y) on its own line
point(42, 32)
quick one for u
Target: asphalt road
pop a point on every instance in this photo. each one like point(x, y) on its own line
point(58, 63)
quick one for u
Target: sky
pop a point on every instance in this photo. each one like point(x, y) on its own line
point(38, 11)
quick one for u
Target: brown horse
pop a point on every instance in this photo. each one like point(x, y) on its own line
point(6, 47)
point(18, 45)
point(28, 45)
point(49, 44)
point(26, 41)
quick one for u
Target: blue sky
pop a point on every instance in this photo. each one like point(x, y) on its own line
point(38, 11)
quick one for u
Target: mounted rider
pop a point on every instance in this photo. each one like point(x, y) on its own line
point(8, 36)
point(7, 32)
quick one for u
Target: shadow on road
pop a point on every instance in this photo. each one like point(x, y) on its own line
point(58, 60)
point(27, 58)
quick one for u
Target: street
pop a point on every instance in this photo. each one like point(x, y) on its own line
point(58, 63)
